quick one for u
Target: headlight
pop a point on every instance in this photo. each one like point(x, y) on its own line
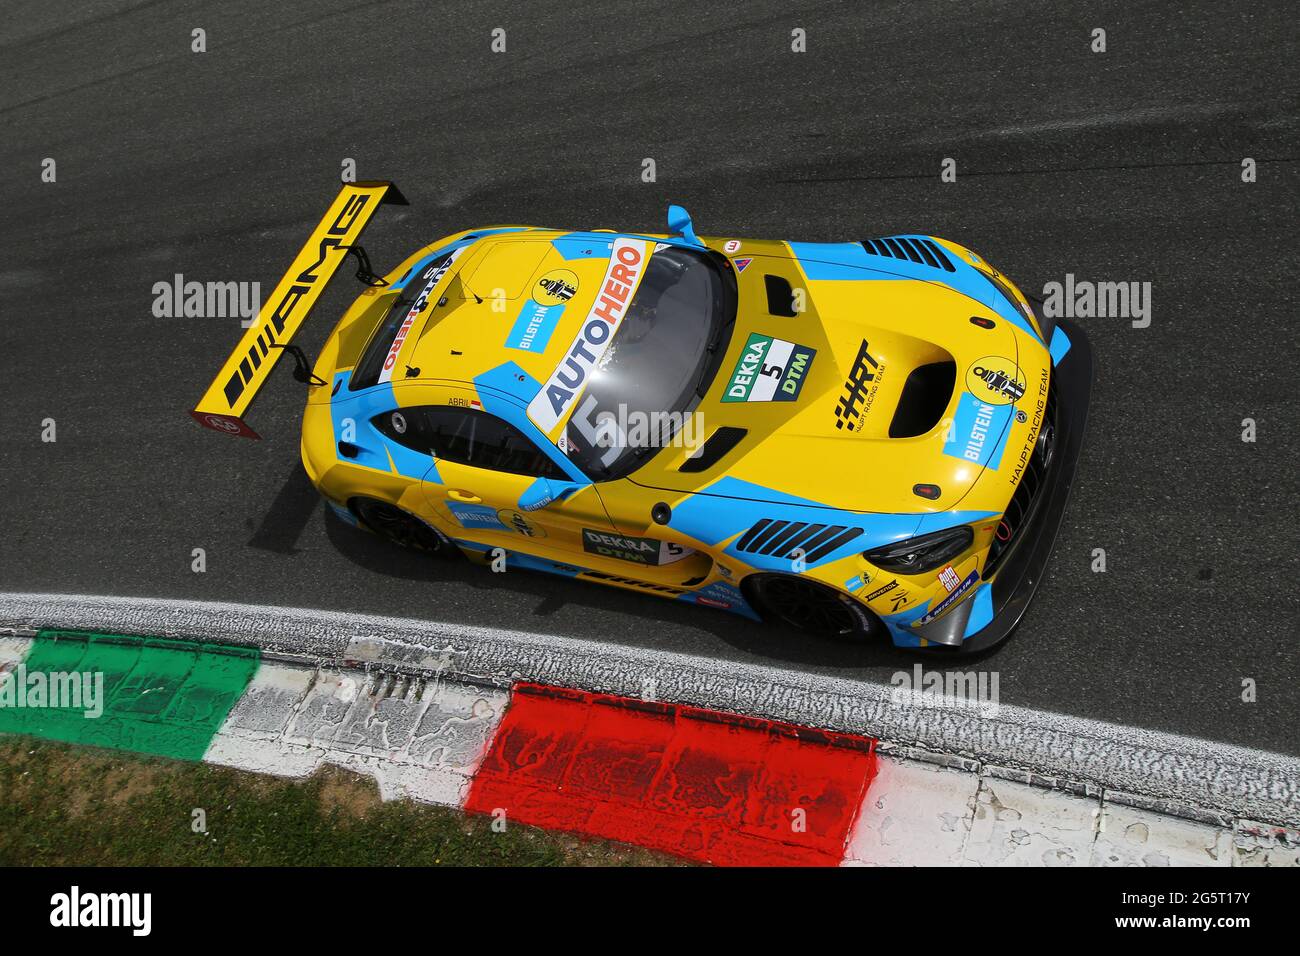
point(922, 553)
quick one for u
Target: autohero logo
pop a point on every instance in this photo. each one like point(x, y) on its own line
point(996, 380)
point(1084, 299)
point(75, 909)
point(207, 300)
point(567, 382)
point(21, 689)
point(859, 389)
point(629, 548)
point(964, 690)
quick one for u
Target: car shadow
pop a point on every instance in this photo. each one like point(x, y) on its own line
point(679, 623)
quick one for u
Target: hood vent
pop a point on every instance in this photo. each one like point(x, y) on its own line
point(925, 397)
point(715, 447)
point(781, 538)
point(780, 297)
point(924, 252)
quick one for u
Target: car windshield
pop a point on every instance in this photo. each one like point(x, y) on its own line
point(661, 360)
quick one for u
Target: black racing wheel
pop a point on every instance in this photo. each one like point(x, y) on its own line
point(401, 527)
point(812, 607)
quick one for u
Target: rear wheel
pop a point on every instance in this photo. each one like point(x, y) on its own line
point(401, 527)
point(812, 607)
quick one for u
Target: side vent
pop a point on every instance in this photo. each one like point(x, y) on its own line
point(780, 297)
point(924, 252)
point(713, 449)
point(781, 538)
point(926, 394)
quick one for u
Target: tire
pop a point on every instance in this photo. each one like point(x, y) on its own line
point(402, 528)
point(811, 607)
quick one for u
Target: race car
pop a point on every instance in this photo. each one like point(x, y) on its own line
point(869, 439)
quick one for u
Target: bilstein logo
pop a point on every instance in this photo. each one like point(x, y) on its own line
point(513, 519)
point(557, 286)
point(996, 380)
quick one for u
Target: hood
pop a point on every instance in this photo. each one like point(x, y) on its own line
point(882, 384)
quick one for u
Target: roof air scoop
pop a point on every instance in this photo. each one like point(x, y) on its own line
point(925, 397)
point(715, 447)
point(780, 297)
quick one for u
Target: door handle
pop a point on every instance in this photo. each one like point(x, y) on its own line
point(458, 495)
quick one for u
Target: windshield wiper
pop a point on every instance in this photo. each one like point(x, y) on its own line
point(701, 383)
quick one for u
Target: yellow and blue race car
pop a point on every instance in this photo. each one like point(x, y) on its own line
point(864, 439)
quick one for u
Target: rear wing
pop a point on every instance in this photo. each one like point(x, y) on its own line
point(227, 399)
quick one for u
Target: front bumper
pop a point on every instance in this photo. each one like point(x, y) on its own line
point(998, 604)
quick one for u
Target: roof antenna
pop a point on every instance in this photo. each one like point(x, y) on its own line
point(465, 285)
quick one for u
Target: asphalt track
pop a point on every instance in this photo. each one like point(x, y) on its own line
point(1123, 166)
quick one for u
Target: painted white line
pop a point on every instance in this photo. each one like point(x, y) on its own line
point(1183, 773)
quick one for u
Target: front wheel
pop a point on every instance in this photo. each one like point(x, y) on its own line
point(401, 527)
point(812, 607)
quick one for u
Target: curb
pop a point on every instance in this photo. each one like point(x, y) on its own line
point(706, 786)
point(1201, 780)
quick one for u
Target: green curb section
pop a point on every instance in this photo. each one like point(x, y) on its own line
point(147, 694)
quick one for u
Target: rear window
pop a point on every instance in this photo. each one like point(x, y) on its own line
point(412, 303)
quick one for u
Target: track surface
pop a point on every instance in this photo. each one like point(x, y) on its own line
point(1122, 166)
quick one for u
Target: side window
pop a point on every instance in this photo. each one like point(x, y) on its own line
point(467, 437)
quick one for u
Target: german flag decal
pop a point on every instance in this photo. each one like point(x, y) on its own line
point(223, 405)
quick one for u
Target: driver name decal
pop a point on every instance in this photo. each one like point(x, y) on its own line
point(570, 378)
point(418, 306)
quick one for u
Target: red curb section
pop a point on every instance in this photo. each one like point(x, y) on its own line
point(708, 786)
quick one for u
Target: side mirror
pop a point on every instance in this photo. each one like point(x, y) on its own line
point(543, 492)
point(680, 224)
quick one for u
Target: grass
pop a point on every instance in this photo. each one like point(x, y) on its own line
point(66, 805)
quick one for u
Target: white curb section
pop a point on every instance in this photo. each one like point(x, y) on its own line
point(922, 814)
point(420, 740)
